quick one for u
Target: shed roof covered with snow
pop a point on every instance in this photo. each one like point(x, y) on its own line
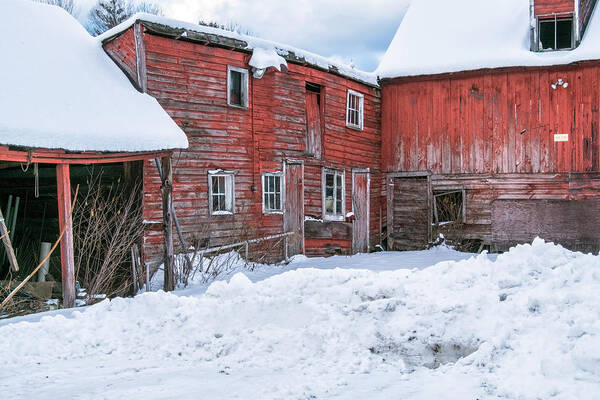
point(268, 50)
point(438, 37)
point(60, 90)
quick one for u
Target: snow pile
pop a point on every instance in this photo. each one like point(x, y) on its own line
point(252, 43)
point(265, 58)
point(526, 326)
point(450, 36)
point(61, 91)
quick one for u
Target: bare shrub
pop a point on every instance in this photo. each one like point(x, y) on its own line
point(107, 223)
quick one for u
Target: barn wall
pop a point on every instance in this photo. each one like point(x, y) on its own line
point(553, 6)
point(492, 134)
point(493, 122)
point(122, 52)
point(190, 80)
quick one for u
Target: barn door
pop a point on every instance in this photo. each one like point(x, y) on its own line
point(293, 218)
point(409, 213)
point(360, 207)
point(313, 121)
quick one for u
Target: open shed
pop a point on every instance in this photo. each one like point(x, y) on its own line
point(66, 104)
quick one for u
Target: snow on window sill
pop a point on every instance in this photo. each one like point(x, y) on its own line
point(222, 213)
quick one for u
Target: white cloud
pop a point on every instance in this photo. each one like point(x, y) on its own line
point(358, 30)
point(347, 29)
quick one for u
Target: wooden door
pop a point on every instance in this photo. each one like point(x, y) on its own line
point(409, 213)
point(361, 182)
point(293, 219)
point(313, 124)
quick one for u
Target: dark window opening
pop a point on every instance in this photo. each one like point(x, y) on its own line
point(235, 88)
point(314, 124)
point(448, 207)
point(555, 34)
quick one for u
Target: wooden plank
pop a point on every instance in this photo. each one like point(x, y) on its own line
point(167, 193)
point(63, 182)
point(140, 56)
point(4, 234)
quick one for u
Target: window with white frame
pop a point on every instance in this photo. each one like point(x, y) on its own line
point(272, 185)
point(221, 192)
point(237, 87)
point(333, 195)
point(354, 109)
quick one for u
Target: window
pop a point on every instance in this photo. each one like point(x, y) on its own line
point(221, 192)
point(555, 33)
point(449, 207)
point(237, 87)
point(272, 184)
point(314, 131)
point(333, 195)
point(354, 109)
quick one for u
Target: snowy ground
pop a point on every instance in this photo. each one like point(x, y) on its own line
point(523, 326)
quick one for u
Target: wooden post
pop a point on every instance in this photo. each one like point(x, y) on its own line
point(4, 234)
point(167, 199)
point(63, 183)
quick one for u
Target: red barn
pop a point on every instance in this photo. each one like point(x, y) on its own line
point(490, 123)
point(65, 106)
point(281, 140)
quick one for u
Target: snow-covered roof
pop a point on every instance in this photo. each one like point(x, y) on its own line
point(451, 36)
point(60, 90)
point(248, 43)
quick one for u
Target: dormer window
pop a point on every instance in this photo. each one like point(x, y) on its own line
point(555, 32)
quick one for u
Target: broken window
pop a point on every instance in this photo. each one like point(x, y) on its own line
point(313, 120)
point(333, 195)
point(237, 87)
point(354, 109)
point(448, 207)
point(221, 193)
point(555, 33)
point(272, 193)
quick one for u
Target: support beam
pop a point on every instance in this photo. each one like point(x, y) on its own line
point(167, 199)
point(63, 183)
point(4, 234)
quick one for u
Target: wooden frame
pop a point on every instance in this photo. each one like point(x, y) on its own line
point(555, 18)
point(390, 200)
point(245, 84)
point(337, 216)
point(228, 191)
point(367, 171)
point(63, 160)
point(281, 177)
point(361, 109)
point(445, 191)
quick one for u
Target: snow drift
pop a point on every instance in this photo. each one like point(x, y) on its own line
point(526, 326)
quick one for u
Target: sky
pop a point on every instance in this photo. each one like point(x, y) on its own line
point(357, 31)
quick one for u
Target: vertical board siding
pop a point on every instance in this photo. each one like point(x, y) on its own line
point(495, 134)
point(190, 81)
point(493, 122)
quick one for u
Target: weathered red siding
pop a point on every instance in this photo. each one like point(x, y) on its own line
point(122, 51)
point(492, 133)
point(493, 122)
point(189, 80)
point(542, 7)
